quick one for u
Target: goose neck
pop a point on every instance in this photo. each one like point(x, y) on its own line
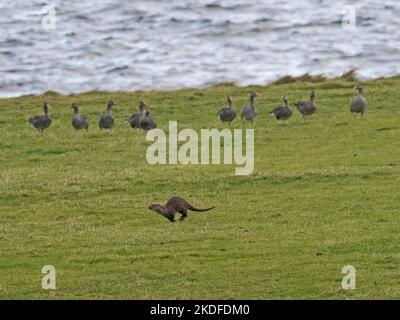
point(252, 102)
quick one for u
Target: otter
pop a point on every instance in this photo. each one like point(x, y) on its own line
point(173, 205)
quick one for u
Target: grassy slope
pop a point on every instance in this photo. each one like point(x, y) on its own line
point(325, 193)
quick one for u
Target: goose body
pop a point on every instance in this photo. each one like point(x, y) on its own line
point(135, 117)
point(79, 121)
point(41, 122)
point(107, 121)
point(146, 121)
point(282, 112)
point(249, 113)
point(227, 114)
point(358, 104)
point(307, 108)
point(134, 120)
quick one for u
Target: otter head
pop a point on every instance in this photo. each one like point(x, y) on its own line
point(156, 208)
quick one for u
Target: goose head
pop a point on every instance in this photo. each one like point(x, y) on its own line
point(359, 88)
point(74, 106)
point(230, 99)
point(312, 96)
point(253, 95)
point(111, 104)
point(142, 106)
point(286, 100)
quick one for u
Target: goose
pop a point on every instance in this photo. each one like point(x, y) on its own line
point(358, 104)
point(146, 121)
point(41, 122)
point(79, 121)
point(307, 108)
point(134, 118)
point(249, 113)
point(227, 114)
point(282, 112)
point(107, 121)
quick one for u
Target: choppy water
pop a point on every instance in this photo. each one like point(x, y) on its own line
point(145, 44)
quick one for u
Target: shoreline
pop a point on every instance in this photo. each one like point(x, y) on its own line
point(349, 76)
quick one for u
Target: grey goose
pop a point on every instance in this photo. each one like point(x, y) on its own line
point(146, 121)
point(107, 121)
point(307, 108)
point(227, 114)
point(249, 113)
point(41, 122)
point(358, 104)
point(134, 118)
point(79, 121)
point(282, 112)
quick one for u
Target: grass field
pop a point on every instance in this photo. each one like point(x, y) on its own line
point(325, 193)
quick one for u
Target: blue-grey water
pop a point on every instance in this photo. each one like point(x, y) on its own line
point(166, 44)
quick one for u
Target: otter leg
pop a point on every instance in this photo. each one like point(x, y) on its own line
point(171, 217)
point(183, 215)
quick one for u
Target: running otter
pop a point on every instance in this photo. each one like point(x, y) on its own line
point(175, 204)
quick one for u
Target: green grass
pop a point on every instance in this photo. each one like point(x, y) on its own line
point(325, 193)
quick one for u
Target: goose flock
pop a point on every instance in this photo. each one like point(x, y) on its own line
point(143, 119)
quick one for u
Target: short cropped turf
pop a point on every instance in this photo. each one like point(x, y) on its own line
point(325, 193)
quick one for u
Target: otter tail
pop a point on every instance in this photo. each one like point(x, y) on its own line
point(200, 210)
